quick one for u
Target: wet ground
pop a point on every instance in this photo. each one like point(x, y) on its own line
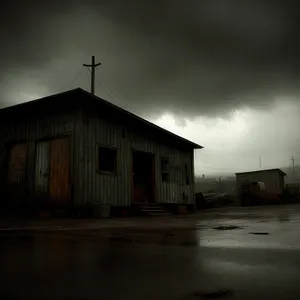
point(232, 253)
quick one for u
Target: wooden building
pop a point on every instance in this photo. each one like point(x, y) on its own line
point(73, 150)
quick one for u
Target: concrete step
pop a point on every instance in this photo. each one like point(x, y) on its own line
point(153, 211)
point(152, 208)
point(159, 214)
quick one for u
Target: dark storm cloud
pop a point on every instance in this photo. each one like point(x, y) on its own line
point(192, 57)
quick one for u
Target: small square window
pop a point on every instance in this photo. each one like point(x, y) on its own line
point(165, 177)
point(107, 159)
point(164, 166)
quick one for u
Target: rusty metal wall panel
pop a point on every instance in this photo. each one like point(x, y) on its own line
point(16, 171)
point(17, 163)
point(31, 130)
point(59, 177)
point(42, 170)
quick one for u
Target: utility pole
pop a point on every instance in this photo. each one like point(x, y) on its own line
point(293, 165)
point(93, 66)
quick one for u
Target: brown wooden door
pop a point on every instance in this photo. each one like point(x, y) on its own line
point(16, 171)
point(42, 171)
point(59, 173)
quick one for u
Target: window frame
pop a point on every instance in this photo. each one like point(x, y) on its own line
point(165, 172)
point(103, 172)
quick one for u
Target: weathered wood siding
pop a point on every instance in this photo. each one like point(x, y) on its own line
point(30, 130)
point(116, 190)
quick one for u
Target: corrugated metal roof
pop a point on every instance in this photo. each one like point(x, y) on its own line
point(261, 171)
point(64, 96)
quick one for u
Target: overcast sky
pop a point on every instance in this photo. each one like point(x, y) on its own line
point(223, 73)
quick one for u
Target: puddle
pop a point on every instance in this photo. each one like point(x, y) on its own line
point(214, 295)
point(259, 233)
point(189, 243)
point(231, 227)
point(180, 238)
point(121, 239)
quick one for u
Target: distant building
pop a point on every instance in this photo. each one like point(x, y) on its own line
point(273, 179)
point(73, 150)
point(294, 188)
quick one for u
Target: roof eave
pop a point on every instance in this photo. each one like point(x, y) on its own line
point(198, 146)
point(154, 126)
point(179, 139)
point(280, 171)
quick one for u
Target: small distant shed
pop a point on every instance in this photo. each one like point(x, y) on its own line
point(273, 179)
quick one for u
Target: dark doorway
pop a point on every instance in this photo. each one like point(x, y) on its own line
point(143, 177)
point(59, 177)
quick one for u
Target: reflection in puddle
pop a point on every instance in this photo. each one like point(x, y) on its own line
point(214, 294)
point(180, 238)
point(259, 233)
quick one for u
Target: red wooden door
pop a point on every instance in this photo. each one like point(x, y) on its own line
point(143, 177)
point(59, 173)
